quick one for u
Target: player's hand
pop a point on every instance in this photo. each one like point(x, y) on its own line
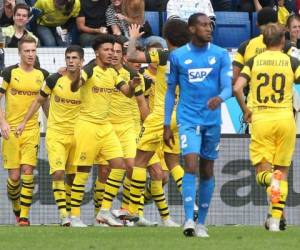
point(5, 129)
point(136, 81)
point(134, 31)
point(247, 116)
point(214, 102)
point(169, 137)
point(19, 130)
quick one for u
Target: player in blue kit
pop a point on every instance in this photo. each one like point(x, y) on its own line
point(203, 72)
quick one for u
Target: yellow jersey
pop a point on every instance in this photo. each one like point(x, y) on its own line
point(53, 17)
point(160, 57)
point(149, 88)
point(96, 92)
point(121, 106)
point(271, 76)
point(64, 104)
point(21, 88)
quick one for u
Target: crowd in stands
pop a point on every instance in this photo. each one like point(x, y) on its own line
point(61, 22)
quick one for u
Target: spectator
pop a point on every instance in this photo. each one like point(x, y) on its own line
point(131, 12)
point(185, 8)
point(221, 5)
point(14, 33)
point(6, 11)
point(91, 20)
point(54, 13)
point(115, 20)
point(279, 6)
point(293, 34)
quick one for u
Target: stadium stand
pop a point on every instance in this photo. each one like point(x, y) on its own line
point(153, 18)
point(232, 28)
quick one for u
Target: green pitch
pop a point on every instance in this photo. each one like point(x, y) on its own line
point(221, 238)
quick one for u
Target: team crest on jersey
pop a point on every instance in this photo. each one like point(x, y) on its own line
point(198, 75)
point(188, 61)
point(212, 60)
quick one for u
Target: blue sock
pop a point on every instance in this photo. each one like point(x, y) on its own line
point(206, 190)
point(188, 194)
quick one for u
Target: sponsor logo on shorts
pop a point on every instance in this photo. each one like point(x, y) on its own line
point(23, 92)
point(198, 75)
point(65, 100)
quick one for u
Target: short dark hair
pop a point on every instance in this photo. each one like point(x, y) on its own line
point(26, 39)
point(273, 34)
point(266, 15)
point(176, 32)
point(22, 6)
point(193, 19)
point(154, 45)
point(102, 38)
point(75, 48)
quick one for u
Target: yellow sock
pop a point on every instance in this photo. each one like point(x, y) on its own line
point(26, 195)
point(68, 197)
point(59, 193)
point(141, 207)
point(126, 193)
point(264, 178)
point(113, 183)
point(77, 192)
point(158, 195)
point(177, 172)
point(138, 182)
point(277, 209)
point(13, 193)
point(98, 195)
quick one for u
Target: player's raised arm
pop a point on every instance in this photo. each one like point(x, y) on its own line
point(134, 55)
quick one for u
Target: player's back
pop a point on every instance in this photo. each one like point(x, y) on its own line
point(199, 77)
point(272, 76)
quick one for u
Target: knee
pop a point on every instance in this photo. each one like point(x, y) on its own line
point(58, 175)
point(14, 176)
point(165, 178)
point(103, 173)
point(156, 173)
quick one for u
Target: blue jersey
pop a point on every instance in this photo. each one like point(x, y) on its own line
point(201, 73)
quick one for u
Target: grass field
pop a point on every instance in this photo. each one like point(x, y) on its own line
point(221, 238)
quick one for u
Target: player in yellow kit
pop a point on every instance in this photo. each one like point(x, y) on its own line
point(151, 135)
point(63, 113)
point(21, 84)
point(94, 133)
point(271, 76)
point(121, 118)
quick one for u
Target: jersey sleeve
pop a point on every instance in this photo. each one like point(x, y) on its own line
point(87, 70)
point(6, 78)
point(225, 77)
point(119, 80)
point(159, 57)
point(76, 8)
point(246, 71)
point(49, 85)
point(238, 59)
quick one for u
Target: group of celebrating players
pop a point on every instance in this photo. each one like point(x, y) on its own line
point(115, 115)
